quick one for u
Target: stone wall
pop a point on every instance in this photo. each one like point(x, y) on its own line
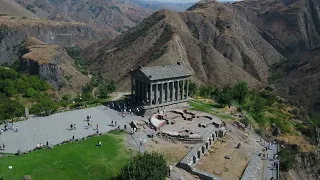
point(197, 152)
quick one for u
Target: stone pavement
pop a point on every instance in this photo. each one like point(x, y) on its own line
point(269, 171)
point(56, 128)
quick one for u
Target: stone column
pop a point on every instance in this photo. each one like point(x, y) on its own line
point(136, 93)
point(132, 89)
point(187, 89)
point(178, 90)
point(183, 95)
point(167, 92)
point(156, 94)
point(150, 94)
point(161, 93)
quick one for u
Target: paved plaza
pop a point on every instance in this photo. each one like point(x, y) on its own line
point(56, 128)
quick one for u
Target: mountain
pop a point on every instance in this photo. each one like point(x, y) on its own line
point(219, 43)
point(52, 64)
point(158, 5)
point(210, 39)
point(11, 8)
point(109, 18)
point(14, 30)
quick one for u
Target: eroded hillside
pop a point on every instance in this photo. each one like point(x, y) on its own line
point(109, 18)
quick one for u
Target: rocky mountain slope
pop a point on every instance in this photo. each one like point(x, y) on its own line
point(52, 64)
point(109, 18)
point(12, 8)
point(14, 30)
point(173, 6)
point(215, 43)
point(219, 43)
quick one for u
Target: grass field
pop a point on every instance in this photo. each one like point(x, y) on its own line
point(77, 160)
point(208, 108)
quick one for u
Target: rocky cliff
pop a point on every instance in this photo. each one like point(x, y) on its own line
point(14, 30)
point(216, 44)
point(52, 64)
point(222, 44)
point(109, 18)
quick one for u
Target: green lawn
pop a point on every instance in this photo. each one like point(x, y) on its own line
point(208, 108)
point(77, 160)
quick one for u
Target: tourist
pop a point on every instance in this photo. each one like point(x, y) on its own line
point(16, 128)
point(91, 123)
point(41, 145)
point(74, 126)
point(72, 137)
point(99, 144)
point(115, 123)
point(97, 126)
point(3, 146)
point(47, 144)
point(267, 156)
point(71, 126)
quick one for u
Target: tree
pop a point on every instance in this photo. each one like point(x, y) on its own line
point(240, 91)
point(151, 166)
point(103, 91)
point(30, 92)
point(192, 88)
point(65, 100)
point(224, 97)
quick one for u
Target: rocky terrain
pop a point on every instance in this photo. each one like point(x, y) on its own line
point(52, 64)
point(109, 18)
point(14, 30)
point(173, 6)
point(219, 43)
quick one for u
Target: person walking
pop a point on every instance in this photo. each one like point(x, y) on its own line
point(97, 126)
point(74, 126)
point(71, 126)
point(4, 146)
point(91, 123)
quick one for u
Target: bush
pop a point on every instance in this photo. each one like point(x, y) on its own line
point(151, 166)
point(261, 132)
point(286, 159)
point(30, 92)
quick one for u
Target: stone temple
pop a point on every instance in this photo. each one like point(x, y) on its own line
point(159, 87)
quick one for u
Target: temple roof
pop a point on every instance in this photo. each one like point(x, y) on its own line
point(163, 72)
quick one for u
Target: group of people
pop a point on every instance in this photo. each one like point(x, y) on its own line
point(8, 126)
point(73, 127)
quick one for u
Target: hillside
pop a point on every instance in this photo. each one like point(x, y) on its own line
point(11, 8)
point(14, 30)
point(219, 43)
point(52, 64)
point(212, 42)
point(173, 6)
point(109, 18)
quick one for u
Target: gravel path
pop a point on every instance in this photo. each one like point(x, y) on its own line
point(56, 128)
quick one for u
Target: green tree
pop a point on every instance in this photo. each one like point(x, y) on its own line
point(224, 97)
point(192, 88)
point(66, 100)
point(103, 91)
point(151, 166)
point(240, 92)
point(30, 92)
point(45, 105)
point(111, 87)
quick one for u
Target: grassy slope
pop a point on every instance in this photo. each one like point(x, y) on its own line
point(75, 160)
point(209, 108)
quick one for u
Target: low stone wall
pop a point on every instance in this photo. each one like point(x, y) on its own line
point(196, 153)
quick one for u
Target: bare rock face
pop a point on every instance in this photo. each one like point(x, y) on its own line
point(110, 18)
point(52, 64)
point(14, 30)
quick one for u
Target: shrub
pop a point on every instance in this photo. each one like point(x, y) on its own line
point(286, 159)
point(261, 132)
point(151, 166)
